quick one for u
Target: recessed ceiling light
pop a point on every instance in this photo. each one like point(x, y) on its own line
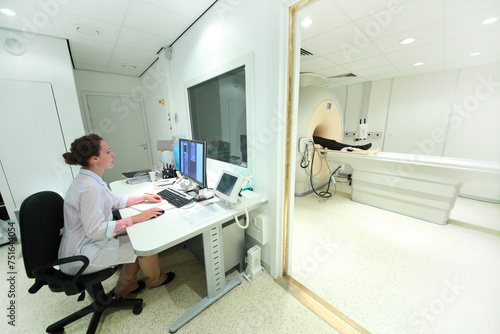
point(473, 54)
point(7, 11)
point(408, 40)
point(418, 63)
point(306, 22)
point(87, 30)
point(129, 66)
point(490, 20)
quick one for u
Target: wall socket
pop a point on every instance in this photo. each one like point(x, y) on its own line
point(257, 228)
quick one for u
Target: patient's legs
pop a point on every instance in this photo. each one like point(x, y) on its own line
point(335, 145)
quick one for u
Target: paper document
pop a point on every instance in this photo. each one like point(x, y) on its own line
point(147, 205)
point(201, 214)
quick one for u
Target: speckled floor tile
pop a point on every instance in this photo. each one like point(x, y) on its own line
point(257, 305)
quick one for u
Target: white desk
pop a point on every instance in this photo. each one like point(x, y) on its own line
point(172, 228)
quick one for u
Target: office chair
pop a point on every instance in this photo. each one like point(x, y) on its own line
point(41, 219)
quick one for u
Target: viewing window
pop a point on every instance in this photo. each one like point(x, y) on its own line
point(218, 116)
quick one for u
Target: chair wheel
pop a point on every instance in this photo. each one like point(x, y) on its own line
point(137, 309)
point(57, 331)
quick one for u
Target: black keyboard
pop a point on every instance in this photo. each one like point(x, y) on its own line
point(175, 198)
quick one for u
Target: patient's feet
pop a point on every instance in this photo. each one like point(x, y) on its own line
point(364, 147)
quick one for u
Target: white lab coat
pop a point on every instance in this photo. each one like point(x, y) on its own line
point(89, 225)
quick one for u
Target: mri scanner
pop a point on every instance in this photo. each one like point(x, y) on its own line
point(424, 187)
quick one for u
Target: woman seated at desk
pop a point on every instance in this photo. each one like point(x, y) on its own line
point(89, 228)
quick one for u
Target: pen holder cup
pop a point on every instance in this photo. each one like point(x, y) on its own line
point(169, 173)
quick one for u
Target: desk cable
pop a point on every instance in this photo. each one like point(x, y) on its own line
point(247, 223)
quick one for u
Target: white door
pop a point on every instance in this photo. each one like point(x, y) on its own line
point(31, 142)
point(120, 121)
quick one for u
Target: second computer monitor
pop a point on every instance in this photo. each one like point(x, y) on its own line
point(193, 161)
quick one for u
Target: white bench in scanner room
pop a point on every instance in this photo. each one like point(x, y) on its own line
point(424, 187)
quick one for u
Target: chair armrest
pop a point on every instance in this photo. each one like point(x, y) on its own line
point(44, 273)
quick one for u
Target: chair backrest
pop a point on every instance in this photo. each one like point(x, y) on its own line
point(40, 219)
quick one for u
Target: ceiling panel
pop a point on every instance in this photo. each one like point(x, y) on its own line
point(109, 11)
point(345, 35)
point(141, 41)
point(446, 33)
point(130, 31)
point(148, 18)
point(324, 15)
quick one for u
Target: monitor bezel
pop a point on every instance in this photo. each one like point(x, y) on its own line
point(204, 183)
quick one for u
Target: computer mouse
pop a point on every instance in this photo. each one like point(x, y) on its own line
point(161, 212)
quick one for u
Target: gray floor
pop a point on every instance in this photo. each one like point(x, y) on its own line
point(395, 274)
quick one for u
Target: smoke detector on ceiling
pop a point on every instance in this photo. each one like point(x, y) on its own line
point(14, 46)
point(87, 30)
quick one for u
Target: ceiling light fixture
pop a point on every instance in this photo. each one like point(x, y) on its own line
point(418, 63)
point(87, 30)
point(129, 66)
point(7, 11)
point(408, 40)
point(306, 22)
point(473, 54)
point(490, 20)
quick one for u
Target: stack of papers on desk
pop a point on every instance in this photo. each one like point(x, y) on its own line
point(202, 214)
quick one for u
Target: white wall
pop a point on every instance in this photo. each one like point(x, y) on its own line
point(46, 60)
point(151, 87)
point(232, 29)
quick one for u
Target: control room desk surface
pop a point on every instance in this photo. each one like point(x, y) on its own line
point(171, 228)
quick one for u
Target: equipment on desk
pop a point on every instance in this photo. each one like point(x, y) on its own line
point(192, 165)
point(230, 191)
point(137, 176)
point(174, 197)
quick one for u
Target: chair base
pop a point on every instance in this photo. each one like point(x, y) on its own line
point(97, 308)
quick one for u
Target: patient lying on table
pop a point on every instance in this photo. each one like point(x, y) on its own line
point(335, 145)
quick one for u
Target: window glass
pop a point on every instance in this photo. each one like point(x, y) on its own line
point(218, 116)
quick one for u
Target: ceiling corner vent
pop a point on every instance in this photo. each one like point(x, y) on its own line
point(304, 52)
point(346, 75)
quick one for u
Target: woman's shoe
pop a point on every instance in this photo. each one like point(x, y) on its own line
point(170, 277)
point(141, 286)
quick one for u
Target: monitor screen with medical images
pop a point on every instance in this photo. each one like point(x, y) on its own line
point(193, 161)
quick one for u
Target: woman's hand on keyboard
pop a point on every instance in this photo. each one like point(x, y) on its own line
point(152, 198)
point(147, 215)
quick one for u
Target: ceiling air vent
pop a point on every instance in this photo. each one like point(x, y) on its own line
point(346, 75)
point(304, 52)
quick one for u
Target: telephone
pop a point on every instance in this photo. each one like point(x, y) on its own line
point(230, 191)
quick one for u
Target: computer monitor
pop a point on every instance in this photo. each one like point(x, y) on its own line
point(193, 161)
